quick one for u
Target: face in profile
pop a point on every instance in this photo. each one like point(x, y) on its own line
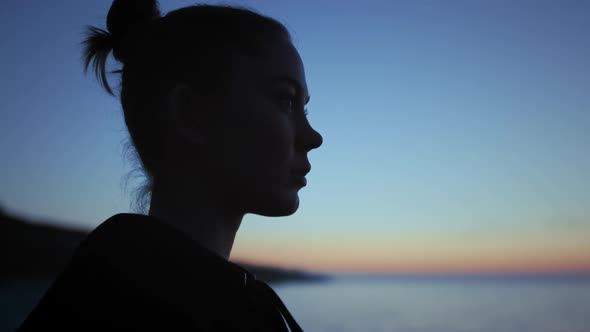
point(262, 148)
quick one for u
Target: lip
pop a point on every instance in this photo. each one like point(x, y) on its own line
point(301, 169)
point(299, 180)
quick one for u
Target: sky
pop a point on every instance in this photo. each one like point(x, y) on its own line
point(456, 133)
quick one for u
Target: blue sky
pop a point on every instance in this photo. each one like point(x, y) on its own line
point(443, 123)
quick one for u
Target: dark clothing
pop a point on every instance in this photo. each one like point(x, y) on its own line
point(137, 273)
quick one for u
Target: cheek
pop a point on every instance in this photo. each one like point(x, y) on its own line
point(259, 144)
point(266, 158)
point(270, 155)
point(276, 142)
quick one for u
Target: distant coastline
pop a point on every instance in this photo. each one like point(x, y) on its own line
point(467, 278)
point(38, 251)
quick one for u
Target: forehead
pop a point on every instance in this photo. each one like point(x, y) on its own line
point(277, 62)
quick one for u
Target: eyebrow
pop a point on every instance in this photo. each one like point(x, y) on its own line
point(294, 83)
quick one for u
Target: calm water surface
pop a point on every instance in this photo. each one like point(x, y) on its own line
point(348, 304)
point(404, 305)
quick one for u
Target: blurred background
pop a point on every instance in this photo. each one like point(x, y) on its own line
point(451, 193)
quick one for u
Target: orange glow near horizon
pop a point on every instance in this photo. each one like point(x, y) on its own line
point(520, 251)
point(428, 266)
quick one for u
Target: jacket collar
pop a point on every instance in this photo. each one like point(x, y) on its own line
point(157, 256)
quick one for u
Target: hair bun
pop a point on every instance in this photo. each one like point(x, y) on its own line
point(126, 17)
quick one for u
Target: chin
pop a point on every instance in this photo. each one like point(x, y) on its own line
point(279, 208)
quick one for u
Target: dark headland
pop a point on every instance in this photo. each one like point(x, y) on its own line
point(34, 250)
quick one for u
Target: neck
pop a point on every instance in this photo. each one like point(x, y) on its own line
point(199, 216)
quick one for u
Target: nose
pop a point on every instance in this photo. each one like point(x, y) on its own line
point(308, 138)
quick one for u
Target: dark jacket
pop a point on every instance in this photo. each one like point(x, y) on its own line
point(137, 273)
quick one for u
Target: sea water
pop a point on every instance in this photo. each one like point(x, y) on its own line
point(439, 305)
point(401, 304)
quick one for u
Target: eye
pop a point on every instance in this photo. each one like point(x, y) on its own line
point(287, 103)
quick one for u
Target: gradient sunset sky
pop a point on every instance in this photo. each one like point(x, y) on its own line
point(456, 133)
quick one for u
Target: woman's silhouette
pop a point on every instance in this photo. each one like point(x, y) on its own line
point(213, 98)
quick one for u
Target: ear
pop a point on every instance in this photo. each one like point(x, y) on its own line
point(185, 108)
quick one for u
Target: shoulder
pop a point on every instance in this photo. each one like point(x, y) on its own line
point(132, 267)
point(159, 260)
